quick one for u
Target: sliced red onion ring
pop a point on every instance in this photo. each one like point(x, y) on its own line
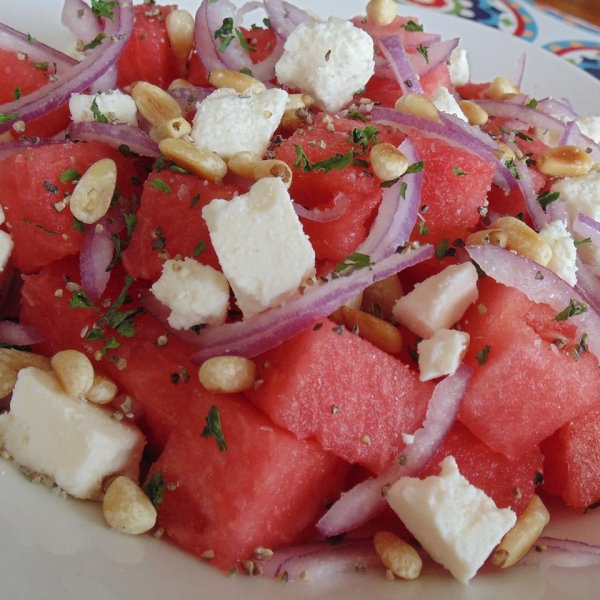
point(80, 76)
point(17, 334)
point(534, 208)
point(406, 76)
point(340, 207)
point(553, 552)
point(557, 108)
point(588, 284)
point(366, 500)
point(96, 254)
point(248, 8)
point(571, 135)
point(15, 147)
point(285, 17)
point(540, 285)
point(188, 97)
point(517, 78)
point(106, 82)
point(203, 41)
point(436, 54)
point(116, 135)
point(268, 329)
point(587, 227)
point(79, 18)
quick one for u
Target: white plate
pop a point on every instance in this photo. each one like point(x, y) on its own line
point(57, 549)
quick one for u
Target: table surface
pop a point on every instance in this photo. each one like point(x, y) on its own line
point(589, 10)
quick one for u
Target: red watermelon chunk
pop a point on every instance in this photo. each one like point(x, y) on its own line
point(264, 489)
point(572, 459)
point(354, 399)
point(523, 387)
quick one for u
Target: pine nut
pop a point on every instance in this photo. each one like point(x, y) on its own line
point(93, 193)
point(497, 237)
point(505, 153)
point(381, 12)
point(297, 113)
point(565, 161)
point(227, 374)
point(379, 298)
point(296, 101)
point(388, 162)
point(474, 113)
point(528, 528)
point(397, 555)
point(74, 371)
point(103, 390)
point(154, 104)
point(126, 508)
point(243, 164)
point(524, 240)
point(240, 82)
point(173, 128)
point(177, 84)
point(200, 161)
point(501, 89)
point(418, 105)
point(377, 331)
point(274, 168)
point(8, 378)
point(180, 30)
point(19, 359)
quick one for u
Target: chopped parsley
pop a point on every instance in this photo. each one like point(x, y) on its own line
point(423, 229)
point(7, 117)
point(512, 167)
point(159, 184)
point(42, 66)
point(424, 52)
point(576, 307)
point(337, 162)
point(78, 225)
point(533, 103)
point(80, 299)
point(16, 93)
point(548, 198)
point(98, 116)
point(69, 175)
point(30, 38)
point(352, 263)
point(442, 250)
point(44, 229)
point(199, 248)
point(356, 114)
point(213, 428)
point(243, 43)
point(363, 137)
point(155, 488)
point(458, 171)
point(578, 243)
point(483, 355)
point(195, 200)
point(104, 8)
point(412, 26)
point(415, 168)
point(95, 42)
point(246, 71)
point(226, 34)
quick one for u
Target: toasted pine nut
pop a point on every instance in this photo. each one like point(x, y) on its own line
point(388, 162)
point(240, 82)
point(273, 168)
point(565, 161)
point(294, 118)
point(523, 535)
point(103, 390)
point(296, 101)
point(19, 359)
point(200, 161)
point(354, 303)
point(173, 128)
point(180, 83)
point(227, 374)
point(126, 508)
point(505, 153)
point(501, 88)
point(474, 113)
point(524, 240)
point(497, 237)
point(243, 164)
point(381, 12)
point(379, 298)
point(180, 30)
point(397, 555)
point(155, 104)
point(74, 371)
point(8, 378)
point(93, 193)
point(377, 331)
point(418, 105)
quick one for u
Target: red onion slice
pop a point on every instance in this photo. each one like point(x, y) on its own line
point(366, 500)
point(17, 334)
point(340, 207)
point(115, 135)
point(79, 18)
point(436, 54)
point(540, 285)
point(268, 329)
point(81, 75)
point(534, 208)
point(557, 108)
point(553, 552)
point(588, 284)
point(203, 41)
point(95, 257)
point(408, 79)
point(187, 97)
point(517, 78)
point(285, 17)
point(587, 227)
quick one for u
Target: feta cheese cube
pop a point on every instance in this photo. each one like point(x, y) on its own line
point(6, 246)
point(260, 244)
point(116, 106)
point(227, 122)
point(441, 354)
point(439, 301)
point(459, 67)
point(456, 523)
point(196, 294)
point(582, 195)
point(75, 442)
point(444, 101)
point(564, 253)
point(590, 127)
point(330, 60)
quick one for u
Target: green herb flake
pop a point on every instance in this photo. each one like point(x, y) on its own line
point(225, 34)
point(458, 171)
point(246, 71)
point(69, 175)
point(125, 150)
point(95, 42)
point(424, 51)
point(130, 224)
point(30, 38)
point(267, 23)
point(213, 428)
point(337, 162)
point(548, 198)
point(80, 299)
point(423, 229)
point(576, 307)
point(356, 114)
point(523, 136)
point(402, 190)
point(78, 225)
point(195, 200)
point(512, 167)
point(412, 26)
point(199, 248)
point(42, 66)
point(7, 117)
point(415, 168)
point(243, 43)
point(38, 226)
point(533, 103)
point(159, 184)
point(104, 8)
point(16, 93)
point(98, 116)
point(578, 243)
point(363, 137)
point(442, 250)
point(355, 261)
point(155, 489)
point(483, 355)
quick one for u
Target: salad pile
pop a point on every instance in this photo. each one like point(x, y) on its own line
point(298, 295)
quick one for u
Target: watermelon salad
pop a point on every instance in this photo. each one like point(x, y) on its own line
point(297, 294)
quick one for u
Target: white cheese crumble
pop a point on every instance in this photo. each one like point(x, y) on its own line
point(456, 523)
point(442, 353)
point(116, 106)
point(261, 245)
point(564, 253)
point(6, 247)
point(439, 301)
point(590, 127)
point(330, 60)
point(459, 67)
point(196, 294)
point(227, 122)
point(444, 101)
point(74, 442)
